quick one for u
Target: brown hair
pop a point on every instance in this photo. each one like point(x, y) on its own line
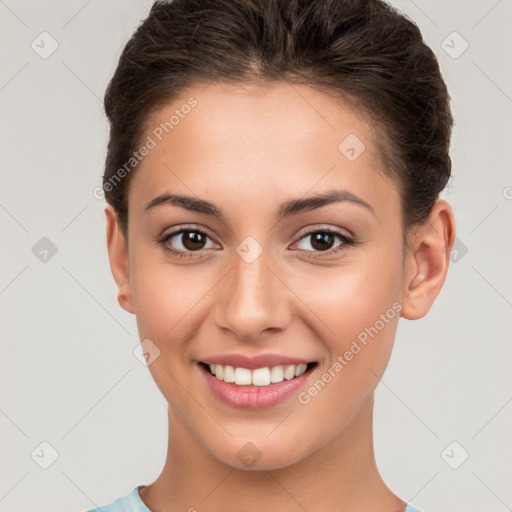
point(364, 51)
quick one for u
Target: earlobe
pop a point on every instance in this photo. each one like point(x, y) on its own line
point(119, 261)
point(427, 261)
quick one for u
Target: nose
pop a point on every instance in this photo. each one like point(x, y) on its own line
point(252, 300)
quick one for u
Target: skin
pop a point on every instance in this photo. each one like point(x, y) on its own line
point(248, 149)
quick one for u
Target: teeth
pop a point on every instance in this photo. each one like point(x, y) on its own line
point(261, 377)
point(300, 369)
point(257, 377)
point(289, 372)
point(243, 376)
point(229, 374)
point(276, 374)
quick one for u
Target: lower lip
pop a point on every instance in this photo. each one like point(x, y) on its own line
point(253, 397)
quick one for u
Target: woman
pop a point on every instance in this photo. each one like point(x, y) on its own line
point(273, 178)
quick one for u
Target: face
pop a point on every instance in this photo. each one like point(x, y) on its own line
point(262, 269)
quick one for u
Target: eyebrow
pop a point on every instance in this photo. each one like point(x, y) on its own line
point(287, 209)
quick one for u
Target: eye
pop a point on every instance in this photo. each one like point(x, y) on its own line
point(185, 241)
point(322, 240)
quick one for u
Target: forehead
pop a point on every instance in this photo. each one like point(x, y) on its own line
point(253, 142)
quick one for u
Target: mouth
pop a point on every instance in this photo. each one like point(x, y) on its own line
point(266, 376)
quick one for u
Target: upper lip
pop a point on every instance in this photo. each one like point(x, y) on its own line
point(252, 362)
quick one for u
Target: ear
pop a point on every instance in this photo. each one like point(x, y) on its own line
point(119, 262)
point(426, 261)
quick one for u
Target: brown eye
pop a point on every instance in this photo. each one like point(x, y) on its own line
point(322, 242)
point(193, 240)
point(186, 241)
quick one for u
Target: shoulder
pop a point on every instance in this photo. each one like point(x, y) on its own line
point(129, 503)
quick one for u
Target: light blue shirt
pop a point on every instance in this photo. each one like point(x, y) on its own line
point(132, 503)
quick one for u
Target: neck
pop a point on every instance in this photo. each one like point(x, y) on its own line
point(341, 476)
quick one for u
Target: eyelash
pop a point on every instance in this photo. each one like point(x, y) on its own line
point(347, 242)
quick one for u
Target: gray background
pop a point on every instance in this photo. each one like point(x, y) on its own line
point(68, 373)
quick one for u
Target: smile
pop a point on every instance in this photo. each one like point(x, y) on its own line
point(255, 388)
point(264, 376)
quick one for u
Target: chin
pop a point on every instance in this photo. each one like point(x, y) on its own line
point(260, 454)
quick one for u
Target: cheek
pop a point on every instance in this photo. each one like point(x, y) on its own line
point(351, 298)
point(360, 305)
point(362, 316)
point(172, 303)
point(164, 295)
point(166, 298)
